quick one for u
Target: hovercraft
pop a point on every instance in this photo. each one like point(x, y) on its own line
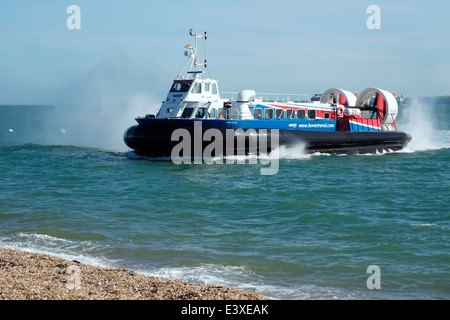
point(195, 120)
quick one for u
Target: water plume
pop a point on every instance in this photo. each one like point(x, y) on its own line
point(95, 111)
point(418, 119)
point(294, 152)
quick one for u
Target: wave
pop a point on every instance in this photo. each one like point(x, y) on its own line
point(238, 277)
point(86, 251)
point(425, 224)
point(296, 152)
point(131, 154)
point(43, 151)
point(243, 278)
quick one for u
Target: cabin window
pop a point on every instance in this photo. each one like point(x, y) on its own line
point(180, 87)
point(187, 112)
point(279, 113)
point(290, 113)
point(268, 113)
point(301, 114)
point(212, 113)
point(197, 88)
point(201, 112)
point(326, 115)
point(214, 88)
point(221, 113)
point(169, 110)
point(311, 114)
point(207, 86)
point(257, 113)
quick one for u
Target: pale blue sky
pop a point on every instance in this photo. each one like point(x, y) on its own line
point(136, 47)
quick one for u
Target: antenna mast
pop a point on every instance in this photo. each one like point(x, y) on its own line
point(192, 54)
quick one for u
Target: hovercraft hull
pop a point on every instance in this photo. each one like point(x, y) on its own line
point(158, 140)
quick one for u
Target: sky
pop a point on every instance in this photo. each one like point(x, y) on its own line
point(130, 51)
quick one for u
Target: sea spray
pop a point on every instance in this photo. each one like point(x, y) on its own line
point(96, 110)
point(294, 152)
point(417, 120)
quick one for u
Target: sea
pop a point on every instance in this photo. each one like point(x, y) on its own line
point(323, 227)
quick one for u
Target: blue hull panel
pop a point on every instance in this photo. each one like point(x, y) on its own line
point(281, 124)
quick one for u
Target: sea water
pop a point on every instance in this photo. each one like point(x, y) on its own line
point(70, 187)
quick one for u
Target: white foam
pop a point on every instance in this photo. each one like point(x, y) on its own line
point(63, 248)
point(424, 224)
point(376, 153)
point(238, 277)
point(295, 152)
point(242, 278)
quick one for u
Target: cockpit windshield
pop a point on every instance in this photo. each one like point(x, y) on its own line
point(181, 86)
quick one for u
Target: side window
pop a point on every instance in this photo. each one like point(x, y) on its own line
point(221, 113)
point(185, 87)
point(187, 112)
point(257, 113)
point(197, 88)
point(279, 113)
point(290, 113)
point(268, 113)
point(201, 112)
point(176, 87)
point(301, 114)
point(180, 87)
point(214, 88)
point(311, 114)
point(212, 113)
point(207, 86)
point(326, 115)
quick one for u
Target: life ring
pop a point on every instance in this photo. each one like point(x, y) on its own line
point(340, 111)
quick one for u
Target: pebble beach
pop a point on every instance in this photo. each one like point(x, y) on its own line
point(32, 276)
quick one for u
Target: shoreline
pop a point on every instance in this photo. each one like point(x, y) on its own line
point(27, 275)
